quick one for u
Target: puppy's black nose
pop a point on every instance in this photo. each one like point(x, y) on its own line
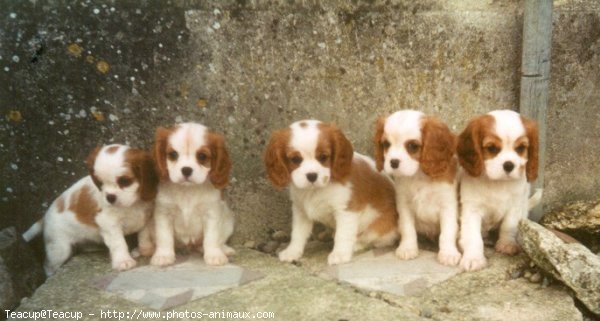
point(508, 166)
point(395, 163)
point(187, 171)
point(312, 177)
point(111, 198)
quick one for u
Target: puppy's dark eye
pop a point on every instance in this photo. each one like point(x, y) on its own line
point(413, 147)
point(521, 149)
point(385, 144)
point(492, 149)
point(296, 160)
point(124, 181)
point(323, 158)
point(173, 155)
point(201, 156)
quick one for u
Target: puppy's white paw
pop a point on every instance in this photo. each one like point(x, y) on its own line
point(135, 253)
point(227, 250)
point(123, 264)
point(472, 263)
point(162, 259)
point(407, 252)
point(449, 257)
point(215, 257)
point(507, 247)
point(339, 257)
point(290, 255)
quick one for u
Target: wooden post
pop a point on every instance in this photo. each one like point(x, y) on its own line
point(535, 76)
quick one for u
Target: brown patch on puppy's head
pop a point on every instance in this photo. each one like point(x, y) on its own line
point(161, 142)
point(379, 143)
point(220, 163)
point(438, 149)
point(89, 162)
point(531, 130)
point(112, 149)
point(338, 149)
point(143, 168)
point(470, 144)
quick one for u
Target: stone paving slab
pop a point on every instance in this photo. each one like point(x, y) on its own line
point(187, 280)
point(381, 270)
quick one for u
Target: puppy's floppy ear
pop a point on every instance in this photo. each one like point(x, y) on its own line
point(469, 147)
point(531, 129)
point(342, 152)
point(379, 152)
point(439, 147)
point(275, 158)
point(91, 159)
point(160, 151)
point(89, 164)
point(220, 163)
point(143, 167)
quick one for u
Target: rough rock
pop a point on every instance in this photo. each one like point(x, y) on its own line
point(269, 247)
point(580, 219)
point(20, 272)
point(250, 244)
point(572, 263)
point(280, 236)
point(492, 294)
point(580, 215)
point(7, 294)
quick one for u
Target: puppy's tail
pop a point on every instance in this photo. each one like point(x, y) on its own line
point(34, 230)
point(535, 199)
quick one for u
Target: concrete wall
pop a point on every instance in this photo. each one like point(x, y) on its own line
point(246, 68)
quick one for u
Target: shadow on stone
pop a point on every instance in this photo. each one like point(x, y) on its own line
point(20, 271)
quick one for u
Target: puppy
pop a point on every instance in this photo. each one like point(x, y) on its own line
point(418, 152)
point(499, 153)
point(116, 199)
point(332, 185)
point(193, 165)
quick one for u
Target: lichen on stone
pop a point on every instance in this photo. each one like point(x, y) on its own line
point(75, 50)
point(102, 66)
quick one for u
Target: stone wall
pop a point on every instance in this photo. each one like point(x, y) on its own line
point(74, 77)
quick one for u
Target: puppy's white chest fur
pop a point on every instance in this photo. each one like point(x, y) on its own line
point(132, 218)
point(188, 206)
point(427, 199)
point(320, 204)
point(495, 198)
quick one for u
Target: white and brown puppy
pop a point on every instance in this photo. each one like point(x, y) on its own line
point(115, 200)
point(194, 167)
point(418, 152)
point(330, 184)
point(499, 152)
